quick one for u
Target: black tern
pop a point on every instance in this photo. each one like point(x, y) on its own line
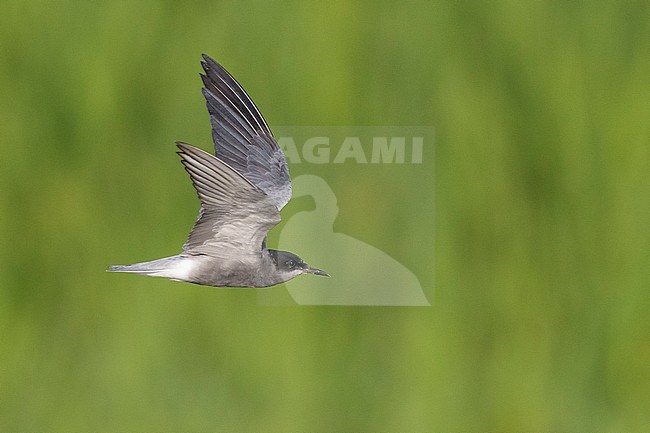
point(241, 189)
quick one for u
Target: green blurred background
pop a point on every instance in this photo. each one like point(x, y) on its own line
point(539, 281)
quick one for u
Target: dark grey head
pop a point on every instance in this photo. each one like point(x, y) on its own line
point(289, 265)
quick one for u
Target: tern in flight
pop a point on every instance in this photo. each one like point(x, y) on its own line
point(242, 190)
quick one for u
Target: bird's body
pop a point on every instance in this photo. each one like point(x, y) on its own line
point(242, 190)
point(209, 271)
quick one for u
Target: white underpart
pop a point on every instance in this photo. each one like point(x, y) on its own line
point(178, 271)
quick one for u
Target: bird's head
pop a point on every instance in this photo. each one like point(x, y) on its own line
point(290, 265)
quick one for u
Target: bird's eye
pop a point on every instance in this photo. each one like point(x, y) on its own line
point(290, 264)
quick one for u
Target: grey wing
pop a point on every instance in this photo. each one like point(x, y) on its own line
point(241, 136)
point(235, 215)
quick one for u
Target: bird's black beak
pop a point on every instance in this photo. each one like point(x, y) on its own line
point(315, 271)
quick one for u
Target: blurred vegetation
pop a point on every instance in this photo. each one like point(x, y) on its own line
point(539, 279)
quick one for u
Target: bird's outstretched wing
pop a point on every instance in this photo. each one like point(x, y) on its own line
point(235, 215)
point(241, 136)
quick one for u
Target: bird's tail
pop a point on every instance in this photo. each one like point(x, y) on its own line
point(156, 268)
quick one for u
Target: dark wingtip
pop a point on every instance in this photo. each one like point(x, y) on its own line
point(208, 62)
